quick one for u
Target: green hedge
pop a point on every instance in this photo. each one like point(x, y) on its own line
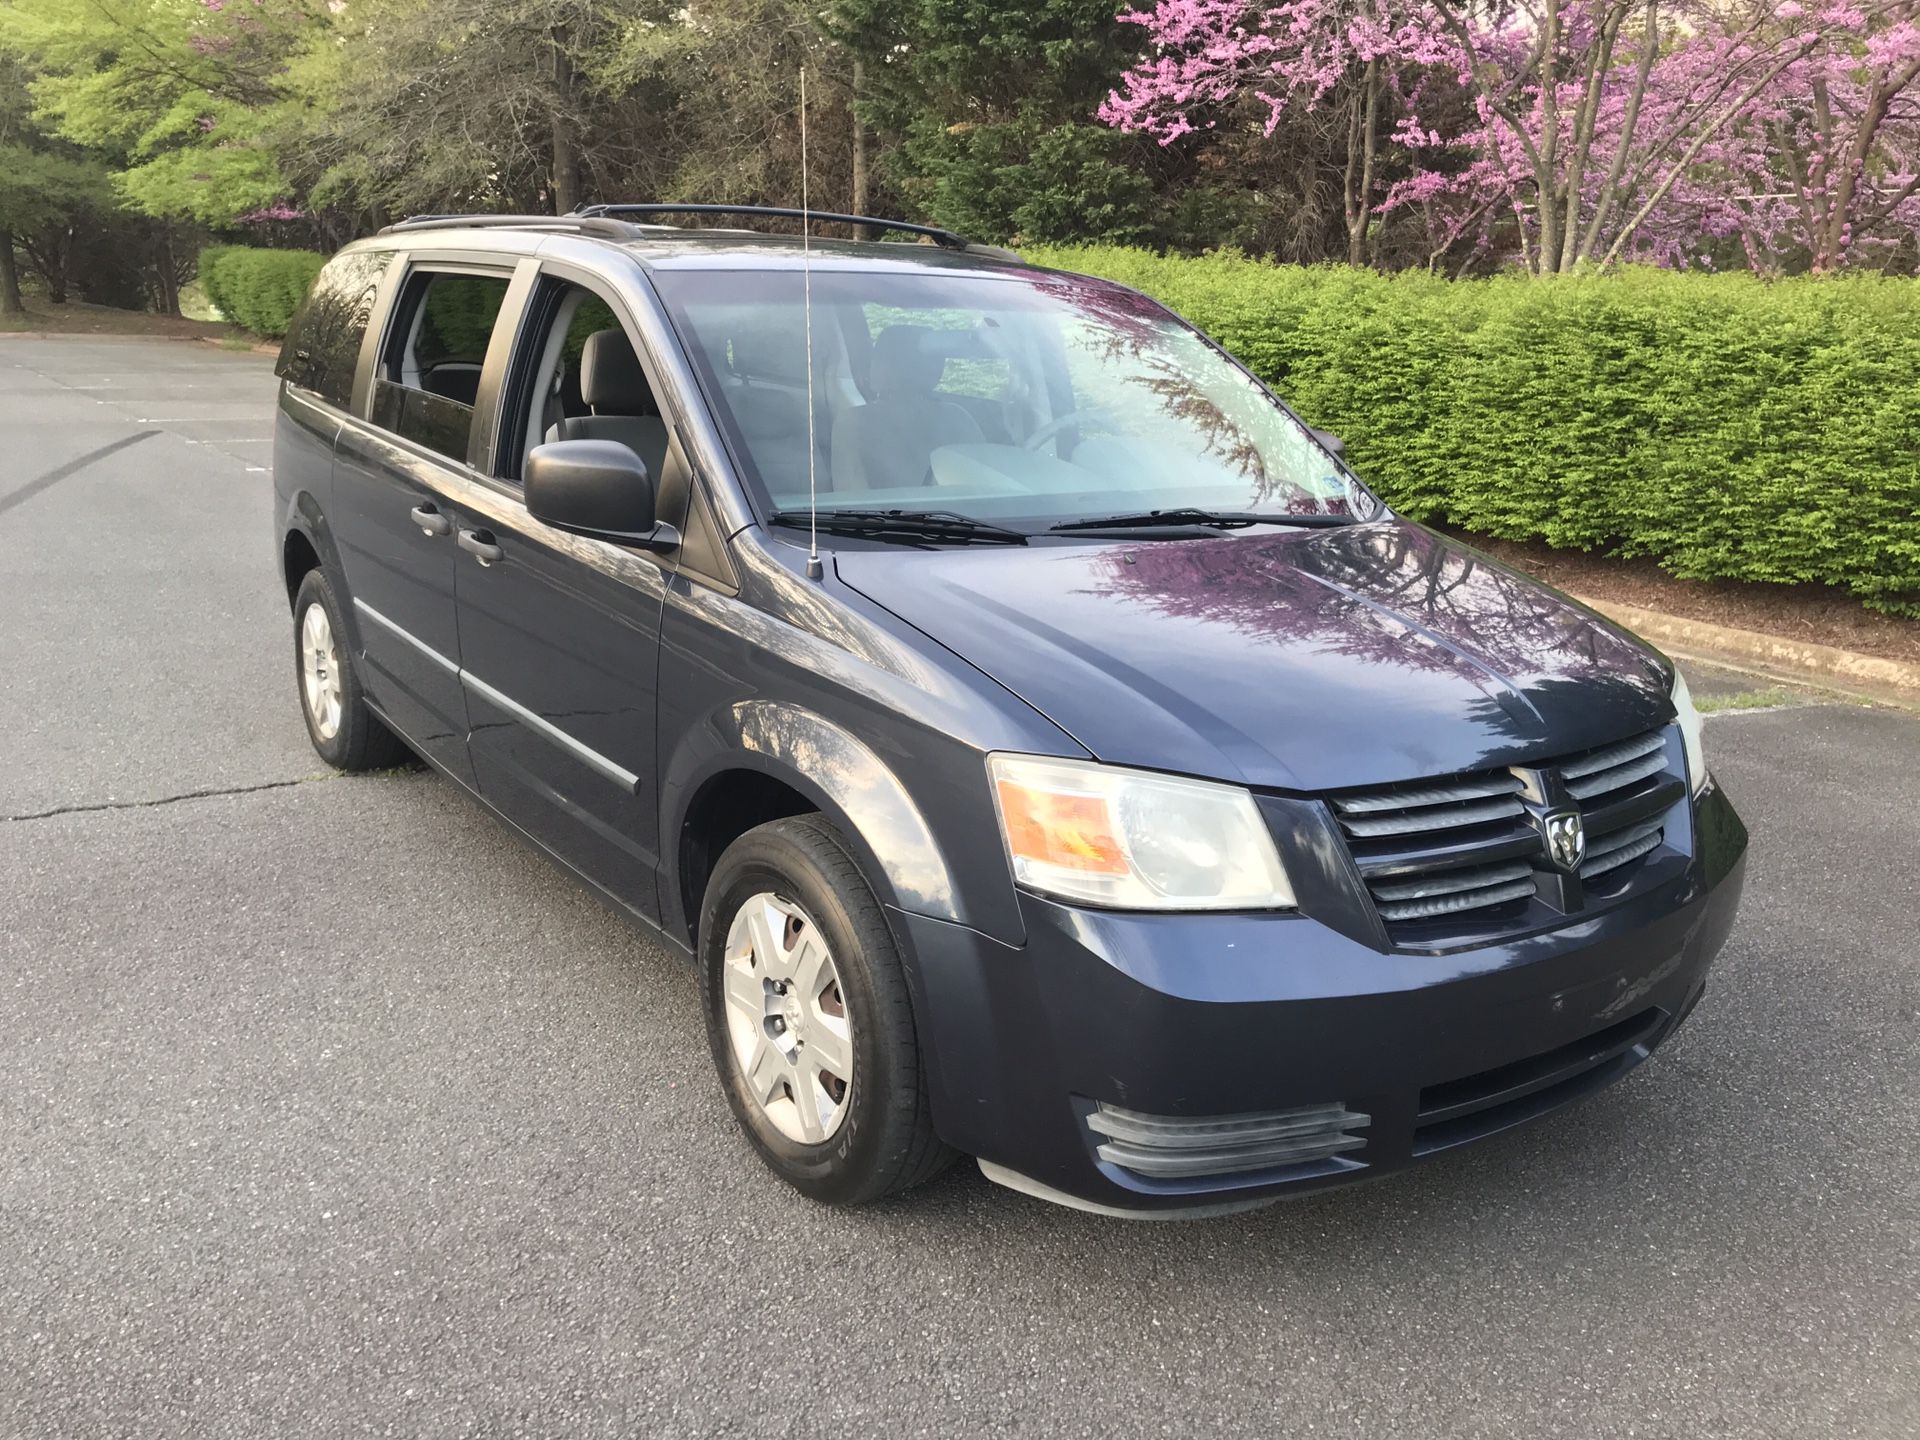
point(1727, 427)
point(258, 289)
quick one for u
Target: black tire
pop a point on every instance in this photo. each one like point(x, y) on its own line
point(361, 741)
point(886, 1142)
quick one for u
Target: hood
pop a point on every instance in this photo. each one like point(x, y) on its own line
point(1295, 659)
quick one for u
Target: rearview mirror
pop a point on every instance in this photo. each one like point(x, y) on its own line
point(1332, 443)
point(598, 488)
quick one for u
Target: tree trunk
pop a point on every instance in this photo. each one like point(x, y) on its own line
point(57, 271)
point(564, 180)
point(10, 301)
point(169, 274)
point(566, 169)
point(1547, 167)
point(1363, 146)
point(859, 145)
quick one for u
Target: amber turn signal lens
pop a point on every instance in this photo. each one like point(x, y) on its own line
point(1074, 832)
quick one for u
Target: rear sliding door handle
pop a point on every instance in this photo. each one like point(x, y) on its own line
point(479, 544)
point(430, 520)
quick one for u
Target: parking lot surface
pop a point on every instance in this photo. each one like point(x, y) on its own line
point(326, 1108)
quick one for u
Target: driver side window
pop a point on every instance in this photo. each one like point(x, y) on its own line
point(584, 380)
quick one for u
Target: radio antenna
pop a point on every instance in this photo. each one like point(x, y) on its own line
point(806, 282)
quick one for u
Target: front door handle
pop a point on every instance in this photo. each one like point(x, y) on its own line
point(429, 519)
point(479, 544)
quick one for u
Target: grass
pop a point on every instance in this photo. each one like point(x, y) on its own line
point(1767, 699)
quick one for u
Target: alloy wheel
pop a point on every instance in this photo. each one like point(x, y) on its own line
point(320, 671)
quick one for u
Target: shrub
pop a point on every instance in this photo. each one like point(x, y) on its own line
point(1726, 427)
point(255, 288)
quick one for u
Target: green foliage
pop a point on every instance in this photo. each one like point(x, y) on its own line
point(179, 98)
point(43, 181)
point(1027, 180)
point(1726, 427)
point(985, 112)
point(984, 58)
point(258, 289)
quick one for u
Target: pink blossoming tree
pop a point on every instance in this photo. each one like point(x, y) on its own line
point(1593, 130)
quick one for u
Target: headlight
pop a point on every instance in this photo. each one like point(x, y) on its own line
point(1134, 840)
point(1689, 718)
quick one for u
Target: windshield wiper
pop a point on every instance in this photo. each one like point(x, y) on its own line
point(1217, 519)
point(945, 525)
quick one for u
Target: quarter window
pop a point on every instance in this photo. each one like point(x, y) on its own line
point(430, 366)
point(322, 347)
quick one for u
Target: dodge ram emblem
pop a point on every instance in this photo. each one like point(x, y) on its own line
point(1566, 839)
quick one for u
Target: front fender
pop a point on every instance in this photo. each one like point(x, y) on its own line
point(839, 774)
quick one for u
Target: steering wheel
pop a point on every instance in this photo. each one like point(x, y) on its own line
point(1053, 427)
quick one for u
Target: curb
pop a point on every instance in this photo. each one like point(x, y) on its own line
point(1898, 680)
point(261, 348)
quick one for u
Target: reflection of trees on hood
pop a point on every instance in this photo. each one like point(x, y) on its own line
point(1364, 592)
point(1130, 332)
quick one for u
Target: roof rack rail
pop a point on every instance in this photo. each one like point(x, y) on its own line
point(946, 239)
point(617, 222)
point(578, 224)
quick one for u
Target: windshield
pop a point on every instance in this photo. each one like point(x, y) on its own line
point(1021, 398)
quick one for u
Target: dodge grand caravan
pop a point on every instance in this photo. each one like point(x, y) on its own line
point(1045, 746)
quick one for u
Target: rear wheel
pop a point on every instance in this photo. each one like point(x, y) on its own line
point(809, 1019)
point(347, 734)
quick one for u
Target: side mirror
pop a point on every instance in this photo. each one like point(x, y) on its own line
point(1332, 443)
point(598, 488)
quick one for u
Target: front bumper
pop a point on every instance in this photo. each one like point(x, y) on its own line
point(1222, 1015)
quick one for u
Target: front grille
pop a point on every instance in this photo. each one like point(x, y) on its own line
point(1604, 772)
point(1477, 800)
point(1463, 850)
point(1446, 892)
point(1175, 1147)
point(1620, 848)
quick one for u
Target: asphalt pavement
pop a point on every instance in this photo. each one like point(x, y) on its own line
point(326, 1108)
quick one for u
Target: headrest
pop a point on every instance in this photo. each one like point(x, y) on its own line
point(771, 353)
point(611, 380)
point(769, 414)
point(905, 365)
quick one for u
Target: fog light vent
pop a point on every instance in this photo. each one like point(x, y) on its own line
point(1177, 1147)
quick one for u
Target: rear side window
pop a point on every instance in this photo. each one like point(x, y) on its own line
point(323, 341)
point(430, 365)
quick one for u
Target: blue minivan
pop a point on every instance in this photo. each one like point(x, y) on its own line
point(1044, 745)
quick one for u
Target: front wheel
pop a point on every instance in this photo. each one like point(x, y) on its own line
point(809, 1019)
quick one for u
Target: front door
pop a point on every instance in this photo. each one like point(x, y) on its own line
point(559, 634)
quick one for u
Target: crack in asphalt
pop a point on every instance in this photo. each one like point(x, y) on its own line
point(209, 794)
